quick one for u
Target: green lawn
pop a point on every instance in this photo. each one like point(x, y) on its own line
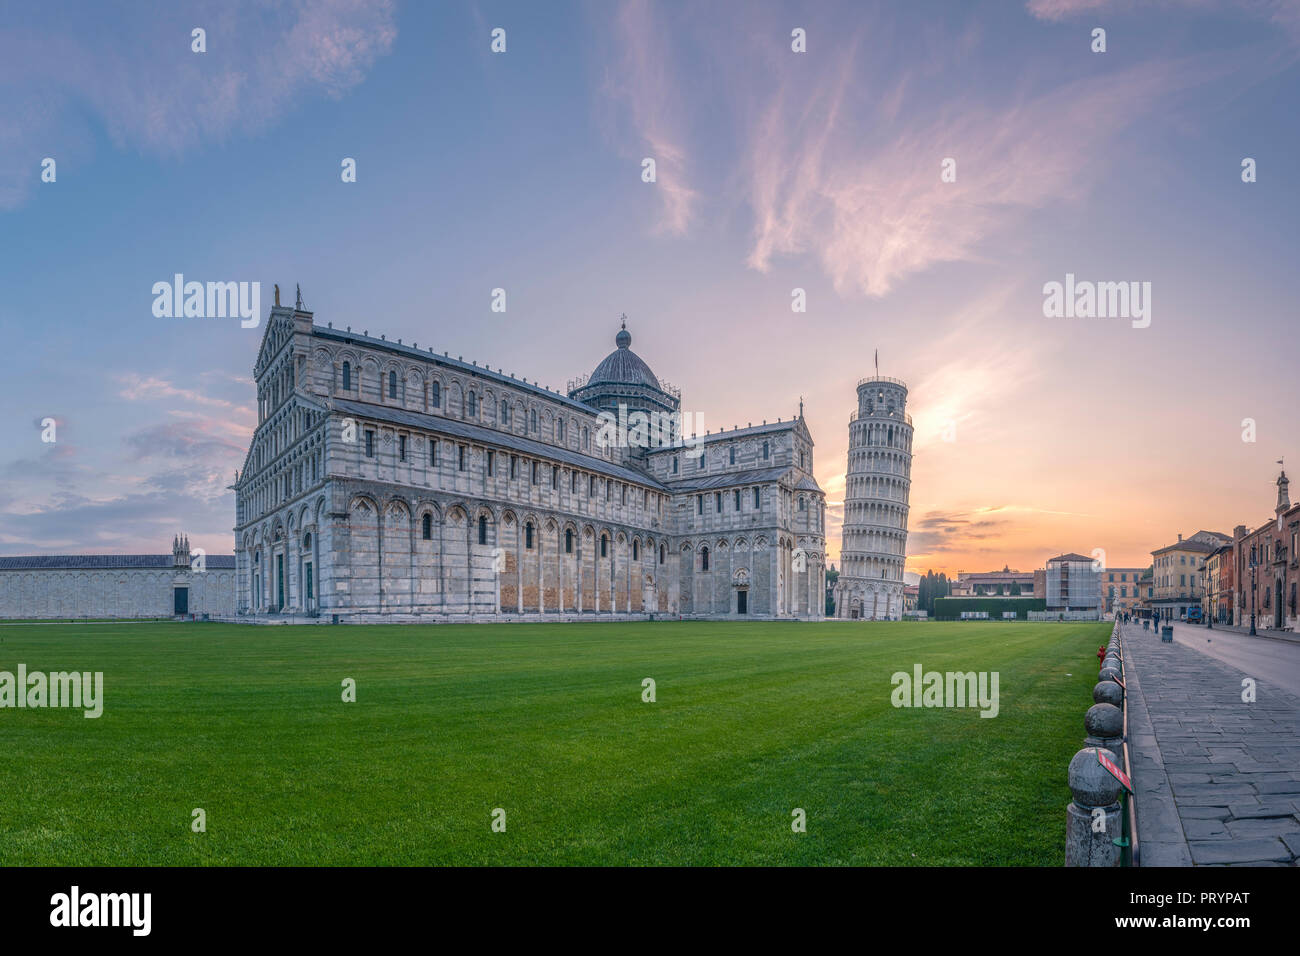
point(547, 722)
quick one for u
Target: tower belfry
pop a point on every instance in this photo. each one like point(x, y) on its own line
point(1283, 494)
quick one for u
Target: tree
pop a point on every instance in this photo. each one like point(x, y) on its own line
point(942, 589)
point(930, 587)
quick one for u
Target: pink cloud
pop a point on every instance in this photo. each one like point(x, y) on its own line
point(640, 80)
point(138, 387)
point(1281, 13)
point(874, 211)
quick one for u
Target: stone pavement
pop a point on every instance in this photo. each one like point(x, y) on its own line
point(1217, 779)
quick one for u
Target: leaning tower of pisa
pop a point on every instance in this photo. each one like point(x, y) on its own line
point(873, 546)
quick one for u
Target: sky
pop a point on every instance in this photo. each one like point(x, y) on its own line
point(775, 170)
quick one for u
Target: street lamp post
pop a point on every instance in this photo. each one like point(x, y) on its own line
point(1205, 586)
point(1253, 587)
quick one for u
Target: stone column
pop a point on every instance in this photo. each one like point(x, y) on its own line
point(442, 556)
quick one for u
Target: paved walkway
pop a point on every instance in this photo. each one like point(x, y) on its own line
point(1217, 779)
point(1275, 658)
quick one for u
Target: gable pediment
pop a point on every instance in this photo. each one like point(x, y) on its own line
point(279, 329)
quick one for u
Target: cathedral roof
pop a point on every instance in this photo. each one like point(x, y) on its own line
point(446, 361)
point(495, 437)
point(623, 366)
point(725, 479)
point(748, 432)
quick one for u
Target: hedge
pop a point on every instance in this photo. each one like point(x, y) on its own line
point(950, 608)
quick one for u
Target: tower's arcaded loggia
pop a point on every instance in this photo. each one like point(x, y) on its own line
point(873, 547)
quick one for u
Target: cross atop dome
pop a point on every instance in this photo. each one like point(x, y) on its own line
point(624, 338)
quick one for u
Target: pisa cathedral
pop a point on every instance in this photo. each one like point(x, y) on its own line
point(387, 483)
point(877, 487)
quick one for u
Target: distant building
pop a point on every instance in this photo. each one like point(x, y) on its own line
point(1119, 589)
point(1264, 566)
point(1004, 583)
point(1146, 592)
point(1073, 584)
point(1177, 572)
point(1219, 582)
point(91, 586)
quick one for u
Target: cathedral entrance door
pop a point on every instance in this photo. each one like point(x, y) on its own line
point(279, 581)
point(180, 600)
point(742, 601)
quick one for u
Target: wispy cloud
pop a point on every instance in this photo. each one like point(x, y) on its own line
point(137, 387)
point(840, 152)
point(1063, 9)
point(640, 79)
point(1026, 510)
point(166, 475)
point(874, 210)
point(151, 92)
point(184, 440)
point(943, 532)
point(981, 374)
point(1280, 13)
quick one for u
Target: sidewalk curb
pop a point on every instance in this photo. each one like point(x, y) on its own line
point(1245, 632)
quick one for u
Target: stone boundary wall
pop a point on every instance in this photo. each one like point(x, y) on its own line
point(40, 593)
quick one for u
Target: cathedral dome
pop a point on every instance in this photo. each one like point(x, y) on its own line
point(623, 366)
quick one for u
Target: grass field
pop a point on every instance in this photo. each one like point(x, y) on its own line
point(547, 722)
